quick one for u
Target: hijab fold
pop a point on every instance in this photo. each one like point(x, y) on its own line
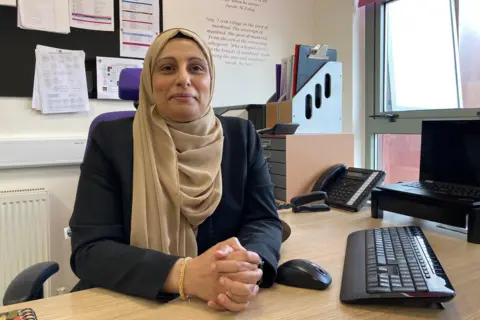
point(177, 181)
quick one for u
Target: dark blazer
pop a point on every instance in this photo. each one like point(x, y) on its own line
point(100, 224)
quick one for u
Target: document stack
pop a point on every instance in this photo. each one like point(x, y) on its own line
point(60, 83)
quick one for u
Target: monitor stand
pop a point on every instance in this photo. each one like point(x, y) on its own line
point(463, 216)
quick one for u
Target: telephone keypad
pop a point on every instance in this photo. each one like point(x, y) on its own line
point(350, 192)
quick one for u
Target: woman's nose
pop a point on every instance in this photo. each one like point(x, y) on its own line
point(183, 78)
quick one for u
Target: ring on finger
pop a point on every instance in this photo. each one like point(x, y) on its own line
point(238, 299)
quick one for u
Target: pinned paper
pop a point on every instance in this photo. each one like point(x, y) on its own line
point(10, 3)
point(139, 25)
point(92, 14)
point(46, 15)
point(108, 74)
point(60, 81)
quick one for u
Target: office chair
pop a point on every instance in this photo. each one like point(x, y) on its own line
point(28, 284)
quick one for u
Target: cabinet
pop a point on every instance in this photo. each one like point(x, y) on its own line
point(296, 161)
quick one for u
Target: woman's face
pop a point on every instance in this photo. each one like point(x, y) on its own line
point(181, 81)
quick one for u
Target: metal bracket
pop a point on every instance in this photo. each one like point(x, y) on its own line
point(390, 116)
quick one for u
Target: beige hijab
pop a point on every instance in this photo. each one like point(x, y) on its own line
point(177, 180)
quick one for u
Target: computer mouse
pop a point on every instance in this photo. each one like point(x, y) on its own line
point(303, 274)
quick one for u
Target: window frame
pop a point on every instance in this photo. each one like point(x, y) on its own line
point(403, 122)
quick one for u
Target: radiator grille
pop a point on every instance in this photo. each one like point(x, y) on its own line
point(24, 233)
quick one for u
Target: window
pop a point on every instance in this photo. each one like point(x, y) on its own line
point(469, 31)
point(422, 63)
point(420, 56)
point(399, 155)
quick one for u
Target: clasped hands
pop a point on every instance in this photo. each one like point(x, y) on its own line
point(225, 276)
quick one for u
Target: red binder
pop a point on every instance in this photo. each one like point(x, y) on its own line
point(362, 3)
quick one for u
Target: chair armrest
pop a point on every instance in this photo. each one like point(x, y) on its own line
point(28, 284)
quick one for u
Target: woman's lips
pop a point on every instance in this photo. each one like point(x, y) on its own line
point(183, 97)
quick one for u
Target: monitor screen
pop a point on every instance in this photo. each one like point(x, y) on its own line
point(450, 152)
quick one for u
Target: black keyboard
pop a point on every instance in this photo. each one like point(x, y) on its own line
point(393, 265)
point(445, 188)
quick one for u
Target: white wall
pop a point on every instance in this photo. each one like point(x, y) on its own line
point(339, 24)
point(358, 95)
point(289, 22)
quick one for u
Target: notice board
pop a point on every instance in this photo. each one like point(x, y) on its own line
point(17, 50)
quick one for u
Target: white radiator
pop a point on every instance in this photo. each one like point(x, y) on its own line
point(24, 233)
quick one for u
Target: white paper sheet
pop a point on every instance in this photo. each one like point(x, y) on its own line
point(108, 74)
point(60, 83)
point(92, 14)
point(139, 25)
point(36, 102)
point(45, 15)
point(135, 44)
point(10, 3)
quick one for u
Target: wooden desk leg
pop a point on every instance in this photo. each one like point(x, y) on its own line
point(376, 212)
point(473, 235)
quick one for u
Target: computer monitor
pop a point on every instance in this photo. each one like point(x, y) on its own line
point(450, 152)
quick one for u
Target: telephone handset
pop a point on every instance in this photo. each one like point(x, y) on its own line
point(342, 187)
point(329, 176)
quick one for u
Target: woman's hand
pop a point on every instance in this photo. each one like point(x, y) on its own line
point(236, 298)
point(239, 275)
point(201, 280)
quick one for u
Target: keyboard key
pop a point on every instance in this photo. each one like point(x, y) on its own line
point(379, 289)
point(403, 289)
point(372, 278)
point(420, 283)
point(370, 242)
point(382, 269)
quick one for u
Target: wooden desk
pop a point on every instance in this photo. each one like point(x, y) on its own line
point(319, 237)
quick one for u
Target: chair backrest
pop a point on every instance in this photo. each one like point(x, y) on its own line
point(108, 116)
point(128, 84)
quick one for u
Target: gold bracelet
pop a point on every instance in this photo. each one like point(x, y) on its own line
point(182, 278)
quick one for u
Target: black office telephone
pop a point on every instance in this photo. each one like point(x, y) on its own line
point(342, 187)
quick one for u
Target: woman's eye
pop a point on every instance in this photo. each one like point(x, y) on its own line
point(197, 68)
point(166, 68)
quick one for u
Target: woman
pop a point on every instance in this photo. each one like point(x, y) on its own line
point(174, 183)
